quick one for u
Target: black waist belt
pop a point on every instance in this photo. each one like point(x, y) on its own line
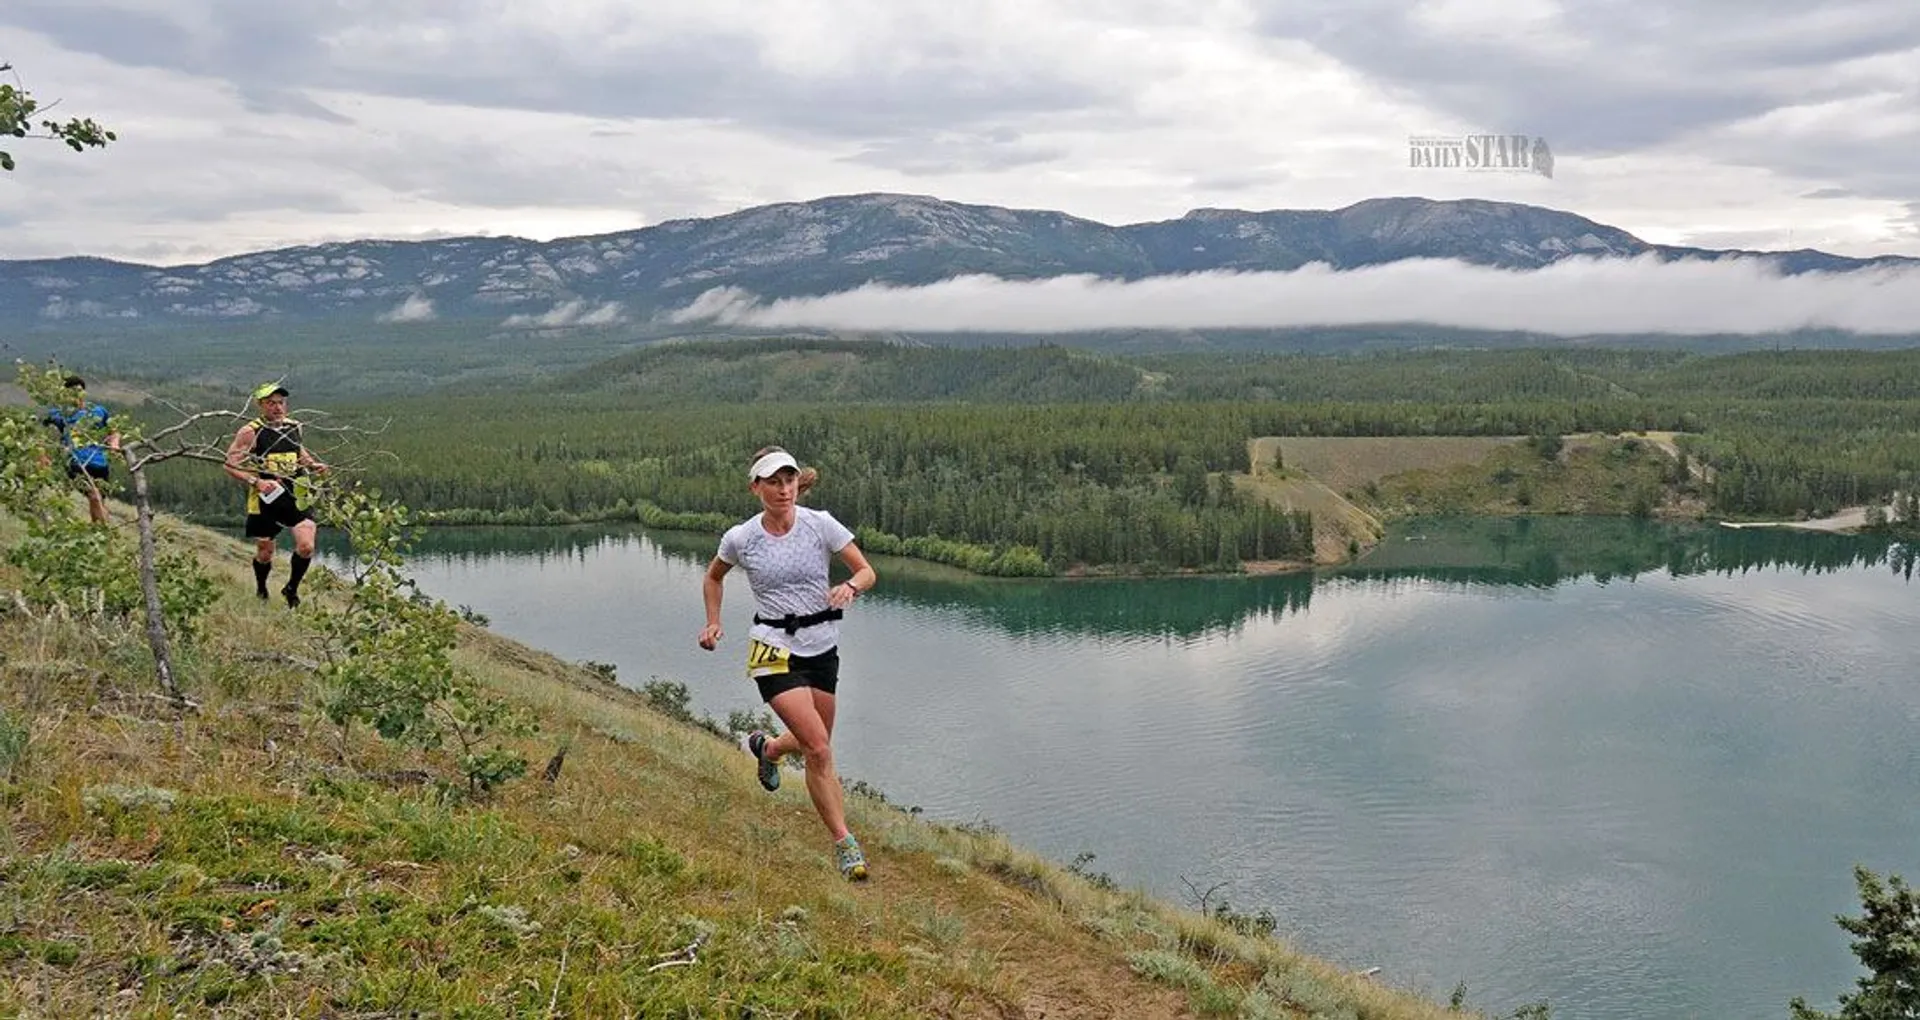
point(791, 623)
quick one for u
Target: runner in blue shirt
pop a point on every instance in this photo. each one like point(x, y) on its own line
point(85, 461)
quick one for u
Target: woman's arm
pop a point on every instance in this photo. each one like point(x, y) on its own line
point(711, 590)
point(864, 577)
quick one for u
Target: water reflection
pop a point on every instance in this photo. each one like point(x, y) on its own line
point(1471, 756)
point(1530, 552)
point(1547, 551)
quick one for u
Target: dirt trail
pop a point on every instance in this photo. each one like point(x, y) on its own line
point(1664, 441)
point(1337, 522)
point(1850, 519)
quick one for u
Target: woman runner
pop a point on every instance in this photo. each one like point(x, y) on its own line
point(793, 648)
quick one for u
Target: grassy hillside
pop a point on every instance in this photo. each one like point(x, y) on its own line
point(1349, 463)
point(837, 371)
point(1610, 475)
point(332, 361)
point(1390, 477)
point(242, 858)
point(1353, 484)
point(1340, 528)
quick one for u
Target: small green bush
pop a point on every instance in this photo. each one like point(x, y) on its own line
point(1886, 939)
point(387, 655)
point(15, 736)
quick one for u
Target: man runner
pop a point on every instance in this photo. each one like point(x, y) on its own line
point(86, 461)
point(267, 455)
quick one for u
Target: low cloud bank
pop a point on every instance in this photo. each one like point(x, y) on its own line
point(1574, 298)
point(413, 309)
point(570, 313)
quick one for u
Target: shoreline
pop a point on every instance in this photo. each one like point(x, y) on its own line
point(1848, 521)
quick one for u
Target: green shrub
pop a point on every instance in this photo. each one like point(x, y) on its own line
point(1098, 879)
point(127, 797)
point(14, 738)
point(387, 656)
point(73, 566)
point(1886, 939)
point(651, 857)
point(1168, 968)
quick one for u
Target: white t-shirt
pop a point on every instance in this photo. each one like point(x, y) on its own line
point(788, 574)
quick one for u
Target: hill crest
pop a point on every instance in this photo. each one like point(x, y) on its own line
point(802, 248)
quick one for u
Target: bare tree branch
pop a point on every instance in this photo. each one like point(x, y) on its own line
point(1202, 899)
point(188, 422)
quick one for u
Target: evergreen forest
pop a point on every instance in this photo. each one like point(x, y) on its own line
point(1041, 459)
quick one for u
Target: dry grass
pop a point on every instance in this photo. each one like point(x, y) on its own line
point(1395, 476)
point(244, 859)
point(1339, 527)
point(1347, 463)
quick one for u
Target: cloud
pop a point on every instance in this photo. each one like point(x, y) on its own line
point(913, 63)
point(939, 153)
point(409, 117)
point(1238, 180)
point(1830, 90)
point(1735, 240)
point(1614, 76)
point(277, 100)
point(413, 309)
point(1578, 297)
point(212, 206)
point(570, 313)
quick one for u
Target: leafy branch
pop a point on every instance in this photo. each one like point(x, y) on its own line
point(1886, 940)
point(17, 109)
point(75, 566)
point(388, 653)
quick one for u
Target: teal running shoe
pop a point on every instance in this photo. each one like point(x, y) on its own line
point(853, 863)
point(755, 743)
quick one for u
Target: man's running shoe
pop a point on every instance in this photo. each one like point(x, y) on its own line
point(755, 743)
point(292, 595)
point(853, 863)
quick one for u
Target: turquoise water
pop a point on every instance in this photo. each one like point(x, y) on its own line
point(1622, 767)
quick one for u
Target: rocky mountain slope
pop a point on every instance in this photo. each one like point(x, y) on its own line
point(815, 247)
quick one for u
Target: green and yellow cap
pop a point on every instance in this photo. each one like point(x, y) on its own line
point(269, 389)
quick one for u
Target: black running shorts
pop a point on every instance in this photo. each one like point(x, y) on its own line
point(820, 672)
point(281, 513)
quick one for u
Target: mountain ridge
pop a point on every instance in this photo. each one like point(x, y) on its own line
point(806, 248)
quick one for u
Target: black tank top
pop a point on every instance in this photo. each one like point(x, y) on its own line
point(276, 446)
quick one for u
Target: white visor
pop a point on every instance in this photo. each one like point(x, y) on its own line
point(770, 463)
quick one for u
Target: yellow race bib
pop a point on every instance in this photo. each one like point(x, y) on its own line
point(765, 660)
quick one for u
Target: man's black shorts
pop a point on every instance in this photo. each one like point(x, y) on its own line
point(820, 672)
point(75, 469)
point(281, 513)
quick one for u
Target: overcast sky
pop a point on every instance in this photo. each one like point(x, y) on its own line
point(247, 124)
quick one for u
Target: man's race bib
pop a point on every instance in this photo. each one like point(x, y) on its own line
point(765, 660)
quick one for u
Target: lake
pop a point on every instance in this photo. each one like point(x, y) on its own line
point(1622, 766)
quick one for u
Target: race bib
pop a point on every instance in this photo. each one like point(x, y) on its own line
point(765, 660)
